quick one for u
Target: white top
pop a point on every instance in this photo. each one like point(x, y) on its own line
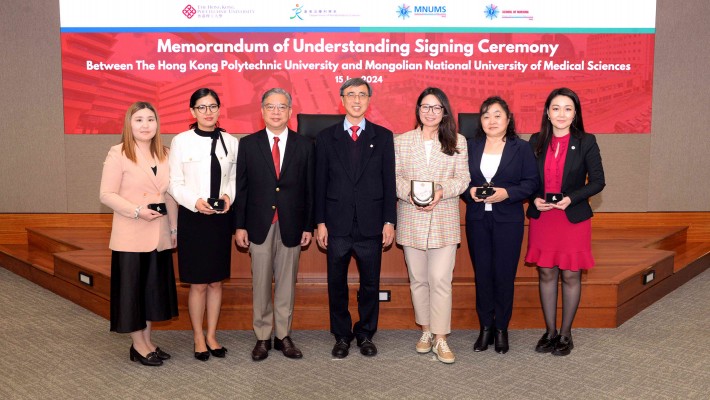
point(427, 149)
point(489, 167)
point(283, 136)
point(190, 167)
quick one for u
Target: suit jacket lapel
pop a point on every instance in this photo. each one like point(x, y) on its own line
point(573, 152)
point(509, 151)
point(163, 177)
point(541, 167)
point(144, 166)
point(418, 154)
point(435, 158)
point(367, 148)
point(476, 156)
point(289, 153)
point(263, 144)
point(342, 150)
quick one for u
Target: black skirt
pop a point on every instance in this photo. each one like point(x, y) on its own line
point(204, 246)
point(142, 289)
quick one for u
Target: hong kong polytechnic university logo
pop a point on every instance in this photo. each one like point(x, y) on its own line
point(189, 11)
point(492, 11)
point(403, 11)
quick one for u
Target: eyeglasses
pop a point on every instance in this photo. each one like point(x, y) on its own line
point(425, 108)
point(353, 95)
point(203, 109)
point(276, 107)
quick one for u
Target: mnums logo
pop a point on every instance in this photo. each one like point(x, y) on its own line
point(403, 11)
point(429, 10)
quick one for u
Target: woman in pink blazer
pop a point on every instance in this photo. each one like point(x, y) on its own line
point(430, 234)
point(134, 184)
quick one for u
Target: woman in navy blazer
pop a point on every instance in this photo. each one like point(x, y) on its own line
point(497, 158)
point(560, 238)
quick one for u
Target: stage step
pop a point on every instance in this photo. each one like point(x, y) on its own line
point(25, 256)
point(87, 269)
point(687, 253)
point(75, 263)
point(55, 240)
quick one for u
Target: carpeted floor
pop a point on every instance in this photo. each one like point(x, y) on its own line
point(54, 349)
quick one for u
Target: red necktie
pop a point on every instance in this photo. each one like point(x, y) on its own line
point(276, 156)
point(354, 128)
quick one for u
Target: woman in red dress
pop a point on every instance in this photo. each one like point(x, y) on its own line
point(560, 235)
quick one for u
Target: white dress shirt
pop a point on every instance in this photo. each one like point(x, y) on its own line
point(190, 168)
point(283, 136)
point(489, 167)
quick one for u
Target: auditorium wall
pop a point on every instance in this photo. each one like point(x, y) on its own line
point(42, 170)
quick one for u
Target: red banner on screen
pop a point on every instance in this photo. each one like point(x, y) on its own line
point(103, 73)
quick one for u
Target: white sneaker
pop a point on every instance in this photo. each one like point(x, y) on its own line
point(443, 352)
point(425, 342)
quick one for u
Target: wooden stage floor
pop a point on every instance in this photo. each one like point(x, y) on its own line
point(635, 267)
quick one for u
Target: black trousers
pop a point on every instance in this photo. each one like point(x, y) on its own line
point(495, 250)
point(368, 257)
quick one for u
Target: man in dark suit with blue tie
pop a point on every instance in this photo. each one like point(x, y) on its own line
point(274, 218)
point(355, 212)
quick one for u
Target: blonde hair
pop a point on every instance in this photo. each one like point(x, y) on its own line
point(129, 142)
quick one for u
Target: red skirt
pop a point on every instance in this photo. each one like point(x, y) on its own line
point(553, 241)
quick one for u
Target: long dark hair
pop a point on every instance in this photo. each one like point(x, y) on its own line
point(200, 93)
point(487, 103)
point(447, 126)
point(576, 129)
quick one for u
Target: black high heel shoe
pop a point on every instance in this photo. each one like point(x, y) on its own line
point(501, 341)
point(485, 338)
point(202, 355)
point(563, 346)
point(220, 353)
point(547, 343)
point(151, 359)
point(161, 354)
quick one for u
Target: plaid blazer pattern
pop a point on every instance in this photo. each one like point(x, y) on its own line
point(441, 226)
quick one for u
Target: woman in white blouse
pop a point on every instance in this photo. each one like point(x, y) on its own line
point(202, 180)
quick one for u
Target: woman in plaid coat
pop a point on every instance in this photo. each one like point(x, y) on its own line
point(434, 152)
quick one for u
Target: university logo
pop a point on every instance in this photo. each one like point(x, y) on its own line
point(403, 11)
point(492, 11)
point(189, 11)
point(297, 12)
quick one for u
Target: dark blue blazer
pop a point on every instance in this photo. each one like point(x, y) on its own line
point(259, 191)
point(517, 173)
point(582, 177)
point(368, 193)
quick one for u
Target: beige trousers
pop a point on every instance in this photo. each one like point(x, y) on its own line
point(430, 275)
point(272, 260)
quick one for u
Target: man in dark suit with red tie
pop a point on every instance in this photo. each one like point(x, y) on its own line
point(274, 218)
point(355, 211)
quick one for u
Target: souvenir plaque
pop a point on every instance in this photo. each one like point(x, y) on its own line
point(553, 198)
point(216, 204)
point(422, 193)
point(159, 207)
point(485, 191)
